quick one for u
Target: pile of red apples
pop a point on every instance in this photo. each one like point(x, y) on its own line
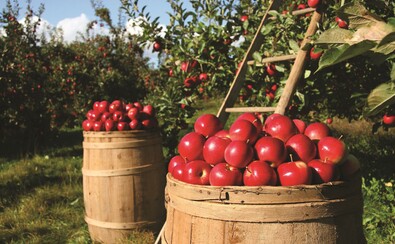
point(280, 151)
point(119, 116)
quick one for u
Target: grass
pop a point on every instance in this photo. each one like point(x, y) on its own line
point(42, 198)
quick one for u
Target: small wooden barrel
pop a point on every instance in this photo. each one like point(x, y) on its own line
point(326, 213)
point(124, 177)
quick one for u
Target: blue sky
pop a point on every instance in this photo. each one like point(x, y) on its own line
point(57, 10)
point(72, 16)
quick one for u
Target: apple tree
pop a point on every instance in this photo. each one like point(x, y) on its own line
point(48, 84)
point(212, 38)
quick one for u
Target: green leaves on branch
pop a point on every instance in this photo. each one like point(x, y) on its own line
point(370, 36)
point(344, 52)
point(367, 35)
point(381, 97)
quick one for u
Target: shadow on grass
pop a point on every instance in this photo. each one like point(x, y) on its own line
point(58, 143)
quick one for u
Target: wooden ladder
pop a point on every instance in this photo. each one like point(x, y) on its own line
point(295, 73)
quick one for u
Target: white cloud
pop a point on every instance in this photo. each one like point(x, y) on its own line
point(71, 27)
point(133, 27)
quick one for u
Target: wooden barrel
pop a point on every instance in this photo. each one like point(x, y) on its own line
point(326, 213)
point(124, 176)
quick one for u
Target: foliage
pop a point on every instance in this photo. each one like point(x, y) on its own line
point(379, 210)
point(214, 37)
point(368, 35)
point(47, 83)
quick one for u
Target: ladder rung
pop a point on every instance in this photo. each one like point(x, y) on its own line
point(274, 59)
point(250, 109)
point(303, 11)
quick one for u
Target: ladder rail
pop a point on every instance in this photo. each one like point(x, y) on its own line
point(296, 71)
point(298, 67)
point(238, 81)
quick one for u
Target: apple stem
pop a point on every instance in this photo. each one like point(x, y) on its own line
point(292, 159)
point(340, 137)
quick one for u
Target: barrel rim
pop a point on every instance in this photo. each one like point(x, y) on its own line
point(125, 133)
point(171, 179)
point(263, 194)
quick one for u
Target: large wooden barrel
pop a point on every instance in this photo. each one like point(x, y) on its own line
point(124, 177)
point(326, 213)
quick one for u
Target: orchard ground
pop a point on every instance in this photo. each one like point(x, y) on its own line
point(42, 197)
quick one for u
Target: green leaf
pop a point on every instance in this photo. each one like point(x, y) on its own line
point(257, 57)
point(342, 53)
point(387, 39)
point(357, 15)
point(393, 72)
point(334, 36)
point(294, 45)
point(380, 97)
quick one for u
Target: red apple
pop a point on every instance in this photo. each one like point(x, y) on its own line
point(149, 123)
point(329, 121)
point(185, 66)
point(178, 171)
point(214, 149)
point(350, 167)
point(341, 23)
point(203, 77)
point(93, 115)
point(243, 18)
point(294, 173)
point(301, 6)
point(271, 69)
point(191, 145)
point(96, 106)
point(109, 125)
point(87, 125)
point(239, 154)
point(313, 3)
point(156, 46)
point(317, 130)
point(281, 127)
point(116, 105)
point(133, 113)
point(138, 105)
point(253, 119)
point(301, 148)
point(243, 130)
point(270, 118)
point(98, 126)
point(117, 116)
point(190, 82)
point(128, 106)
point(149, 109)
point(174, 161)
point(271, 150)
point(315, 55)
point(258, 173)
point(197, 172)
point(224, 174)
point(389, 119)
point(207, 125)
point(223, 134)
point(323, 172)
point(105, 116)
point(300, 124)
point(135, 124)
point(332, 149)
point(121, 126)
point(103, 106)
